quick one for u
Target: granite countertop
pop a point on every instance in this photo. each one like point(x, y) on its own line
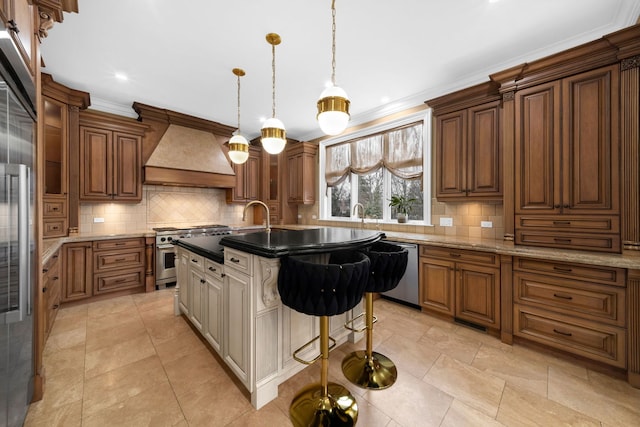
point(207, 246)
point(278, 243)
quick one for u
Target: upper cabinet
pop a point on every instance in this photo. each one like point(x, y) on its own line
point(110, 158)
point(18, 16)
point(468, 144)
point(247, 186)
point(60, 107)
point(301, 164)
point(567, 165)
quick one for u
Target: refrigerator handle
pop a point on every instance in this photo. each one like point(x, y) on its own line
point(24, 241)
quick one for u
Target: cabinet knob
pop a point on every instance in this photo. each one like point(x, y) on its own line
point(566, 206)
point(55, 306)
point(44, 270)
point(212, 269)
point(223, 275)
point(202, 281)
point(13, 26)
point(44, 289)
point(234, 260)
point(557, 206)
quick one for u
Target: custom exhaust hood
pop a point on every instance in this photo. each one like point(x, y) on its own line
point(184, 150)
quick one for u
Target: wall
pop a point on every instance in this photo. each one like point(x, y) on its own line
point(163, 206)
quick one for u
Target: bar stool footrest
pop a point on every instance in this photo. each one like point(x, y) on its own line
point(349, 323)
point(332, 344)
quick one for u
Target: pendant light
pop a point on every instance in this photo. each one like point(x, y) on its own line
point(333, 105)
point(274, 136)
point(238, 144)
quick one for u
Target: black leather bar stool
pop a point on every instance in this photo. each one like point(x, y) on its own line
point(369, 369)
point(323, 290)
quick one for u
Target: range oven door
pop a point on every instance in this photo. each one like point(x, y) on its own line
point(165, 265)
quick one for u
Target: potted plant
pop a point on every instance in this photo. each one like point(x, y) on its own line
point(403, 205)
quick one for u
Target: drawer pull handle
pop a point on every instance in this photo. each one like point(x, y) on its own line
point(55, 209)
point(563, 269)
point(561, 222)
point(203, 281)
point(55, 307)
point(194, 260)
point(120, 259)
point(223, 275)
point(568, 297)
point(566, 334)
point(454, 255)
point(212, 269)
point(44, 289)
point(120, 280)
point(55, 277)
point(44, 270)
point(559, 240)
point(120, 244)
point(234, 260)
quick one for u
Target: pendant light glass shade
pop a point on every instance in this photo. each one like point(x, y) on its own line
point(238, 144)
point(333, 110)
point(238, 149)
point(333, 105)
point(273, 133)
point(274, 136)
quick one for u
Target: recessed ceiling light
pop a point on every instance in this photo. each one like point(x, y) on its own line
point(121, 76)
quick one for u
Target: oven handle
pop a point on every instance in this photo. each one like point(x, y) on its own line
point(169, 246)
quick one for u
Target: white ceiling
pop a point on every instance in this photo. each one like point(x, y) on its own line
point(179, 54)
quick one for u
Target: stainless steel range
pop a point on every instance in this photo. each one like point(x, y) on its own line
point(165, 249)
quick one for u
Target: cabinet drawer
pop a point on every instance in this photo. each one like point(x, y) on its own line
point(213, 268)
point(591, 224)
point(54, 227)
point(104, 261)
point(600, 274)
point(581, 241)
point(54, 208)
point(241, 261)
point(485, 258)
point(117, 281)
point(196, 261)
point(595, 341)
point(100, 245)
point(587, 300)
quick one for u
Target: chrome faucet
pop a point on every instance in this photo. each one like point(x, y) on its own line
point(266, 209)
point(355, 211)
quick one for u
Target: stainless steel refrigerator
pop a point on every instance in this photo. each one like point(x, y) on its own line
point(17, 266)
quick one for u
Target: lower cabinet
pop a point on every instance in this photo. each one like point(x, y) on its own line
point(236, 322)
point(577, 308)
point(52, 292)
point(462, 284)
point(214, 300)
point(103, 267)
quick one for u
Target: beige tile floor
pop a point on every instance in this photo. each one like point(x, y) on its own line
point(129, 361)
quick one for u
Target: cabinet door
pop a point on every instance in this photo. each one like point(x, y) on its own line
point(55, 147)
point(21, 12)
point(484, 152)
point(77, 271)
point(451, 142)
point(127, 167)
point(182, 264)
point(214, 312)
point(247, 185)
point(537, 169)
point(294, 165)
point(478, 294)
point(437, 285)
point(236, 326)
point(590, 142)
point(196, 287)
point(96, 164)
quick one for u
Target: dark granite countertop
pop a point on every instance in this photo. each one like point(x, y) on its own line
point(208, 246)
point(280, 243)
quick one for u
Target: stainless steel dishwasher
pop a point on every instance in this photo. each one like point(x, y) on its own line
point(407, 290)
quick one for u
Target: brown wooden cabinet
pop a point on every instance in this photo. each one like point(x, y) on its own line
point(468, 144)
point(19, 18)
point(577, 308)
point(461, 284)
point(248, 176)
point(274, 190)
point(110, 158)
point(77, 271)
point(301, 165)
point(61, 106)
point(567, 162)
point(52, 291)
point(118, 265)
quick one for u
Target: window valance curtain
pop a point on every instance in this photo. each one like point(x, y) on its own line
point(398, 150)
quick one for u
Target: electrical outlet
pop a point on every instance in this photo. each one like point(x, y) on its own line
point(314, 217)
point(486, 224)
point(96, 219)
point(446, 222)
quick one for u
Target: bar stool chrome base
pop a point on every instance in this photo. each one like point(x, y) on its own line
point(310, 407)
point(376, 372)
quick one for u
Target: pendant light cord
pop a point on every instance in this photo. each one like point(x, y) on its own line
point(238, 105)
point(273, 80)
point(333, 44)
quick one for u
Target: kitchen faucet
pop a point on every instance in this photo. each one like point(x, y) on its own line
point(266, 208)
point(355, 210)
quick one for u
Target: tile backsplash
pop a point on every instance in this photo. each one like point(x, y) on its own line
point(163, 206)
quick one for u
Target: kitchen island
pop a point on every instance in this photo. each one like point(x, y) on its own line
point(236, 307)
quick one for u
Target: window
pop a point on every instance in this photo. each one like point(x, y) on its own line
point(370, 166)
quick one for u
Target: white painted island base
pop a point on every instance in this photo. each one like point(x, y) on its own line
point(237, 309)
